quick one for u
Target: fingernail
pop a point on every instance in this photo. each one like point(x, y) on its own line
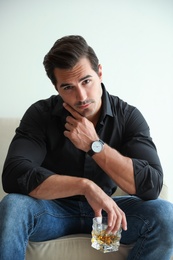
point(99, 220)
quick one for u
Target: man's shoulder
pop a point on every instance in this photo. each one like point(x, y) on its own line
point(44, 108)
point(119, 105)
point(50, 102)
point(46, 105)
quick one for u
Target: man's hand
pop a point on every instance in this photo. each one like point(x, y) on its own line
point(99, 201)
point(80, 130)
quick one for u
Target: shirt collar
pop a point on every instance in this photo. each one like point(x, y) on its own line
point(106, 106)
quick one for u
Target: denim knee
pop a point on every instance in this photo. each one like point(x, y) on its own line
point(11, 204)
point(163, 214)
point(14, 206)
point(14, 202)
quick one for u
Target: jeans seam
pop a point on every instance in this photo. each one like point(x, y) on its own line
point(145, 236)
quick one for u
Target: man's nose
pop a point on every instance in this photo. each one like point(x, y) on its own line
point(81, 94)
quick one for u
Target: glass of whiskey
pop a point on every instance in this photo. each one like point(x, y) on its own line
point(101, 240)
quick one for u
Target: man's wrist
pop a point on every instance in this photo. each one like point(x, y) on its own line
point(96, 147)
point(85, 186)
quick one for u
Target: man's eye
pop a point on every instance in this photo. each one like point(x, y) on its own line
point(87, 81)
point(67, 87)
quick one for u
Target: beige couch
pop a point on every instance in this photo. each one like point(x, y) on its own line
point(73, 247)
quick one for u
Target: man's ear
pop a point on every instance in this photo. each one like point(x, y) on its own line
point(100, 71)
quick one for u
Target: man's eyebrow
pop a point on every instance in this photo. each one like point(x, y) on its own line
point(69, 84)
point(86, 77)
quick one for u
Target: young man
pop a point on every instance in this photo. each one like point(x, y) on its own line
point(68, 156)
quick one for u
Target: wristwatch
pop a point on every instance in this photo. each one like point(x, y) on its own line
point(96, 147)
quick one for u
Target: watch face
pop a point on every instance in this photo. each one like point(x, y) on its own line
point(97, 146)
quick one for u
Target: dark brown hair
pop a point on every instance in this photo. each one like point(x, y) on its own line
point(66, 52)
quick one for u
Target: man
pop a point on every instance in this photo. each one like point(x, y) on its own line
point(68, 156)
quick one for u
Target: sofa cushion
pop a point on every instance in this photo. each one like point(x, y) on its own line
point(73, 247)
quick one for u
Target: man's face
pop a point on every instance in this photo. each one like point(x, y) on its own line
point(80, 87)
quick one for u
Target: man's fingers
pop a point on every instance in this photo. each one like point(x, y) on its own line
point(110, 223)
point(116, 220)
point(98, 213)
point(124, 222)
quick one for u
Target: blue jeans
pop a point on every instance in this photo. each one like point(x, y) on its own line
point(22, 218)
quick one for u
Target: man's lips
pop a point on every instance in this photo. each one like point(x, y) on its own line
point(84, 105)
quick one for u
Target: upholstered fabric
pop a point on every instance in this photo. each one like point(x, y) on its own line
point(77, 247)
point(73, 247)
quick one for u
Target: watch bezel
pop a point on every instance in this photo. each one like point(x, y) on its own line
point(91, 152)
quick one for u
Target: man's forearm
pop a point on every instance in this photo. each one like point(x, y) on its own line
point(118, 167)
point(59, 186)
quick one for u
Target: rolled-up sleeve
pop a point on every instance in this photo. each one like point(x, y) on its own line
point(148, 179)
point(139, 146)
point(23, 169)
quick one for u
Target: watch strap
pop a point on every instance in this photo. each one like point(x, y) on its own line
point(91, 152)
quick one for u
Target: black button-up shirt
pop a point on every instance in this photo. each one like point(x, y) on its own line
point(40, 149)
